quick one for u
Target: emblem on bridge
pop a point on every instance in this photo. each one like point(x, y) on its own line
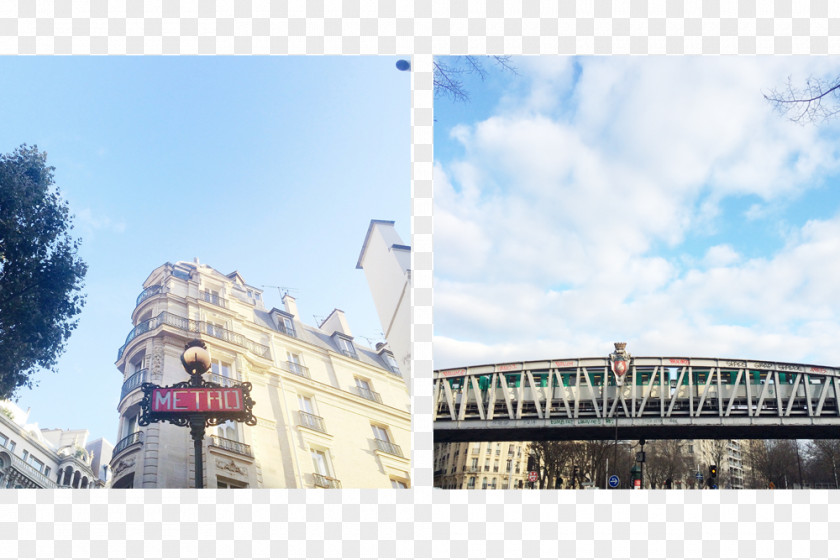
point(620, 362)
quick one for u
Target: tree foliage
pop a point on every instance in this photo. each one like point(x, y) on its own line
point(41, 274)
point(817, 100)
point(448, 74)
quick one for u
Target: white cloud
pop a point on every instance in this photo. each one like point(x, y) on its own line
point(90, 223)
point(549, 232)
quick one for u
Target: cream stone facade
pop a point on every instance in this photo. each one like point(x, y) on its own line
point(330, 413)
point(481, 465)
point(387, 266)
point(31, 457)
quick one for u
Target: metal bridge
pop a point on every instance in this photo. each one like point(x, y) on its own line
point(655, 398)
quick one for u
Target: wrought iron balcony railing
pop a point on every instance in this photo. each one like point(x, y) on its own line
point(32, 473)
point(231, 445)
point(130, 439)
point(297, 369)
point(222, 380)
point(190, 325)
point(368, 394)
point(388, 447)
point(323, 481)
point(148, 292)
point(311, 421)
point(134, 382)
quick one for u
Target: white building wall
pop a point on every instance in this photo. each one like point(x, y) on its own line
point(387, 266)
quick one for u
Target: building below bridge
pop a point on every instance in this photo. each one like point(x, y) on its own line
point(330, 413)
point(31, 457)
point(481, 465)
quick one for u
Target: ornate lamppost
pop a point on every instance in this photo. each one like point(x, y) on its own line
point(197, 403)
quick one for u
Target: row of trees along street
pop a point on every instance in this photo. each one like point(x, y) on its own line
point(764, 463)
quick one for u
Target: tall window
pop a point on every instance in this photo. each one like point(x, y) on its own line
point(380, 433)
point(212, 296)
point(220, 368)
point(306, 404)
point(319, 461)
point(294, 363)
point(130, 425)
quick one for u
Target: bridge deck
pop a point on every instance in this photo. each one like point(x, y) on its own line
point(673, 398)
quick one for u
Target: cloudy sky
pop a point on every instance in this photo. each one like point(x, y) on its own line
point(272, 166)
point(657, 201)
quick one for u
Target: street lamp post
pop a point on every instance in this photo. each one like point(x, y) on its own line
point(197, 403)
point(196, 360)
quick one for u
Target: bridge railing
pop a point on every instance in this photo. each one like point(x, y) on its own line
point(660, 387)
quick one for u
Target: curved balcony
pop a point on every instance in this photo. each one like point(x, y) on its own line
point(127, 441)
point(192, 326)
point(148, 292)
point(134, 382)
point(36, 477)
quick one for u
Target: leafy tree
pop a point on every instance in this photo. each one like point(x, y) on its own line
point(41, 274)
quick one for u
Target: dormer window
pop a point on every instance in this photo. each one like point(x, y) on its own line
point(285, 323)
point(345, 346)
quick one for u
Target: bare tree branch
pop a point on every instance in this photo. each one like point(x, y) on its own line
point(446, 73)
point(818, 100)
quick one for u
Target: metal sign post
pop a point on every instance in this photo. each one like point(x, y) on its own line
point(197, 403)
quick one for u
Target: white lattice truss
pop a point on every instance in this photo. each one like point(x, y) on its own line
point(653, 387)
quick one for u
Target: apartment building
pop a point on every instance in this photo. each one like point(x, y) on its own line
point(31, 457)
point(481, 465)
point(330, 413)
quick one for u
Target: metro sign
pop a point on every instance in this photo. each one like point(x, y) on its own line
point(183, 404)
point(197, 399)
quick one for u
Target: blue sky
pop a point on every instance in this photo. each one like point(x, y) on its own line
point(658, 201)
point(272, 166)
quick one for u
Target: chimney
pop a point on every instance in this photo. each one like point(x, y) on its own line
point(291, 305)
point(336, 323)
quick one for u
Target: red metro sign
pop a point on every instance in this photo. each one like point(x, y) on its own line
point(197, 399)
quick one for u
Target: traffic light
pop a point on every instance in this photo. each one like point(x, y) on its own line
point(712, 471)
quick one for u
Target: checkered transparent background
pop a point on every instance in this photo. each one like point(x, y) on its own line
point(421, 522)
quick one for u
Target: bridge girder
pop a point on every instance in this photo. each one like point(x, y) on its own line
point(659, 398)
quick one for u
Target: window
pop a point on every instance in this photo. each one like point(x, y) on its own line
point(306, 404)
point(285, 324)
point(397, 484)
point(130, 425)
point(222, 482)
point(3, 440)
point(220, 368)
point(484, 483)
point(212, 296)
point(346, 347)
point(364, 390)
point(475, 463)
point(294, 363)
point(380, 433)
point(39, 466)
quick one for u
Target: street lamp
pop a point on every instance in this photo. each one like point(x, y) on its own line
point(196, 360)
point(197, 403)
